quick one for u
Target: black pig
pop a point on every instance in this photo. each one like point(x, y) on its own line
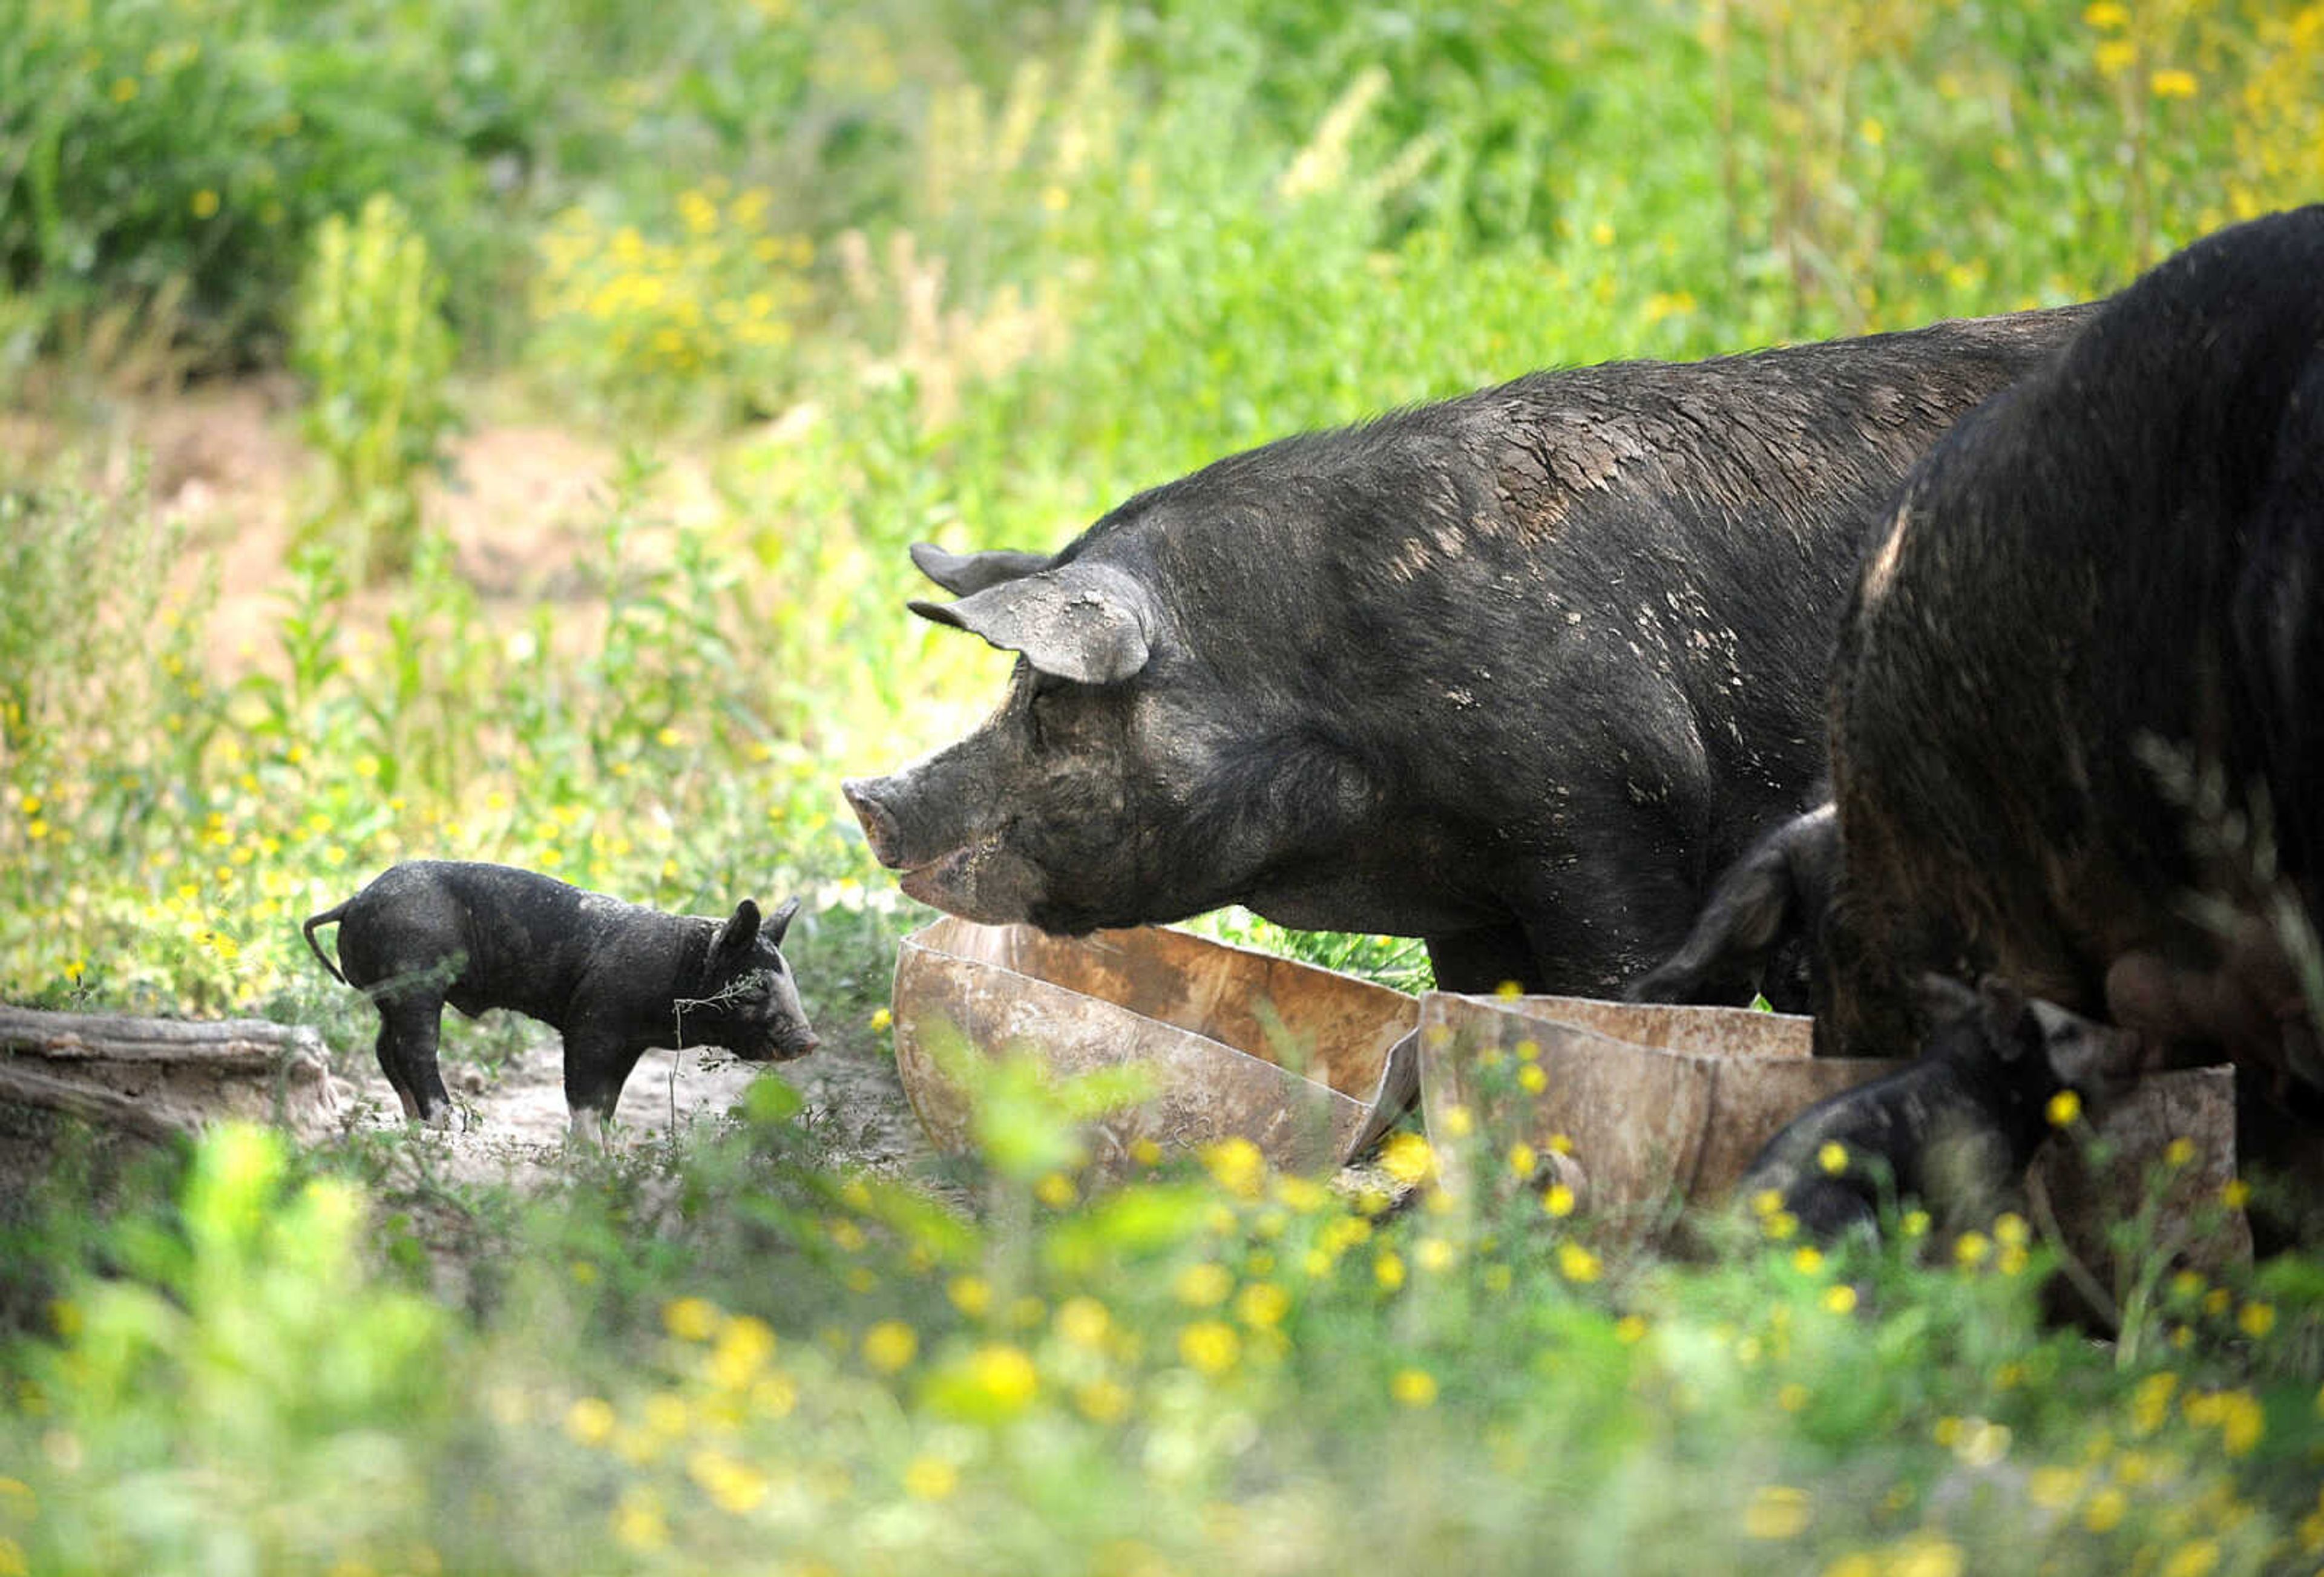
point(2075, 738)
point(1515, 673)
point(1955, 1130)
point(613, 978)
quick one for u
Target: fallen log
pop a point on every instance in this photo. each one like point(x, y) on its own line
point(154, 1077)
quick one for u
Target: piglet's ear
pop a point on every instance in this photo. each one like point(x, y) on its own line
point(733, 942)
point(1088, 622)
point(780, 920)
point(963, 574)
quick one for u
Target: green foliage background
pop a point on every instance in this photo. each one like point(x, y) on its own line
point(865, 274)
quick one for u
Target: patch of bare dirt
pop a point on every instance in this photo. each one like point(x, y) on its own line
point(523, 505)
point(514, 1122)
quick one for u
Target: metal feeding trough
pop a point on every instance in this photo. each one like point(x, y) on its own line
point(1307, 1063)
point(1650, 1107)
point(1646, 1103)
point(1641, 1110)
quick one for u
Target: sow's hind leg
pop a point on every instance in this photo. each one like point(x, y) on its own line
point(1589, 928)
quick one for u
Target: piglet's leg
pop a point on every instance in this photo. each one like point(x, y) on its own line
point(407, 1053)
point(391, 1062)
point(595, 1071)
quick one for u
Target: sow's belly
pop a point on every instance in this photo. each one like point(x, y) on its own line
point(1399, 903)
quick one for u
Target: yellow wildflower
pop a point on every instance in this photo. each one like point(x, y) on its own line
point(890, 1345)
point(1005, 1375)
point(1777, 1511)
point(1407, 1157)
point(1202, 1285)
point(1236, 1165)
point(1209, 1346)
point(745, 1345)
point(690, 1319)
point(590, 1421)
point(2198, 1559)
point(1103, 1401)
point(735, 1488)
point(638, 1522)
point(1084, 1322)
point(930, 1477)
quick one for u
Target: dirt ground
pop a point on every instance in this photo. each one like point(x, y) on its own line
point(512, 1123)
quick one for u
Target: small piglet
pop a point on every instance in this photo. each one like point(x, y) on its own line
point(1954, 1129)
point(613, 978)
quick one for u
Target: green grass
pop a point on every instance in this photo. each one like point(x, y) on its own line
point(833, 280)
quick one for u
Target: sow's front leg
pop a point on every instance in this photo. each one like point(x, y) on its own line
point(1571, 946)
point(1480, 962)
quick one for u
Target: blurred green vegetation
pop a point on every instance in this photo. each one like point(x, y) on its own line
point(832, 279)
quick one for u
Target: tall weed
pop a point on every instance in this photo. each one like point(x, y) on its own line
point(372, 343)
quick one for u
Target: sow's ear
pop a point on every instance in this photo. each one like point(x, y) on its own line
point(780, 920)
point(732, 941)
point(964, 574)
point(1087, 622)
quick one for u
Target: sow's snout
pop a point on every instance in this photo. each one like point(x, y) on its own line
point(956, 868)
point(868, 799)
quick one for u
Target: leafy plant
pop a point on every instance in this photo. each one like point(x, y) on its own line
point(373, 342)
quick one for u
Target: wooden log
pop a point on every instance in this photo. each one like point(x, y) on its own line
point(22, 1086)
point(225, 1043)
point(153, 1076)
